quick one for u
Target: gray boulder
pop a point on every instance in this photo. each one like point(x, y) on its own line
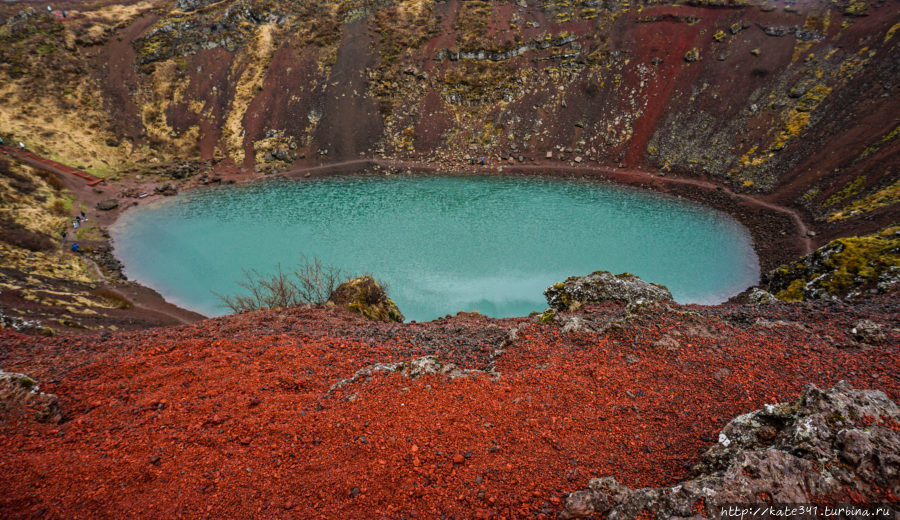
point(107, 204)
point(824, 443)
point(602, 286)
point(867, 331)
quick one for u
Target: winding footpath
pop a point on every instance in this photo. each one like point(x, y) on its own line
point(47, 164)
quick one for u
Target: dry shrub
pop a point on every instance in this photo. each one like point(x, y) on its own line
point(311, 283)
point(52, 180)
point(59, 208)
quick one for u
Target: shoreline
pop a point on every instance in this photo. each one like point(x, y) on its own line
point(778, 234)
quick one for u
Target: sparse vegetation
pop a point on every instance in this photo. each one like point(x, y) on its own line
point(112, 298)
point(310, 283)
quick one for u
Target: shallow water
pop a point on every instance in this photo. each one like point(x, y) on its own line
point(443, 243)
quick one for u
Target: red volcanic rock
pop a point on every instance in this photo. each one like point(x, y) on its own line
point(252, 423)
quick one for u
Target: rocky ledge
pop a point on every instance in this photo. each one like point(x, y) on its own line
point(835, 443)
point(602, 286)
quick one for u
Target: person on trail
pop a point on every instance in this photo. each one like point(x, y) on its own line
point(74, 224)
point(83, 216)
point(63, 14)
point(482, 161)
point(64, 235)
point(74, 247)
point(22, 145)
point(49, 9)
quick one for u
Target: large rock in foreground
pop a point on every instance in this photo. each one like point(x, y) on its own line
point(603, 286)
point(365, 296)
point(826, 444)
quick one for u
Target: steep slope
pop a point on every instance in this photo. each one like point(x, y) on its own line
point(794, 101)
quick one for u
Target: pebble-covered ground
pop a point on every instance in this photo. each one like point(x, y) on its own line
point(236, 417)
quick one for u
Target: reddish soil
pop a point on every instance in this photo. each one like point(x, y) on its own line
point(114, 69)
point(47, 164)
point(233, 417)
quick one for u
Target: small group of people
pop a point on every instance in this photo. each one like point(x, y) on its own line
point(62, 13)
point(481, 162)
point(79, 220)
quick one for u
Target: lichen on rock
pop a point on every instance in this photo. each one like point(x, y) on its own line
point(366, 296)
point(822, 444)
point(20, 396)
point(603, 286)
point(843, 268)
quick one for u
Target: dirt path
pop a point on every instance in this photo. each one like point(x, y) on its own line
point(47, 164)
point(149, 307)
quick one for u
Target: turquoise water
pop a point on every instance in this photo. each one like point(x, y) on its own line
point(443, 243)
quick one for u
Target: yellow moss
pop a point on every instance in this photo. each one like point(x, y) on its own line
point(44, 210)
point(884, 197)
point(801, 48)
point(850, 189)
point(794, 291)
point(813, 98)
point(881, 142)
point(863, 257)
point(891, 31)
point(860, 259)
point(745, 159)
point(856, 7)
point(254, 64)
point(795, 124)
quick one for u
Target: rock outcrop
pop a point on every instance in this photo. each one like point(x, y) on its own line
point(21, 397)
point(826, 443)
point(365, 296)
point(842, 268)
point(603, 286)
point(107, 204)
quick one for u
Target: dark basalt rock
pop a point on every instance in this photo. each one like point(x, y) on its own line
point(192, 5)
point(168, 189)
point(819, 445)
